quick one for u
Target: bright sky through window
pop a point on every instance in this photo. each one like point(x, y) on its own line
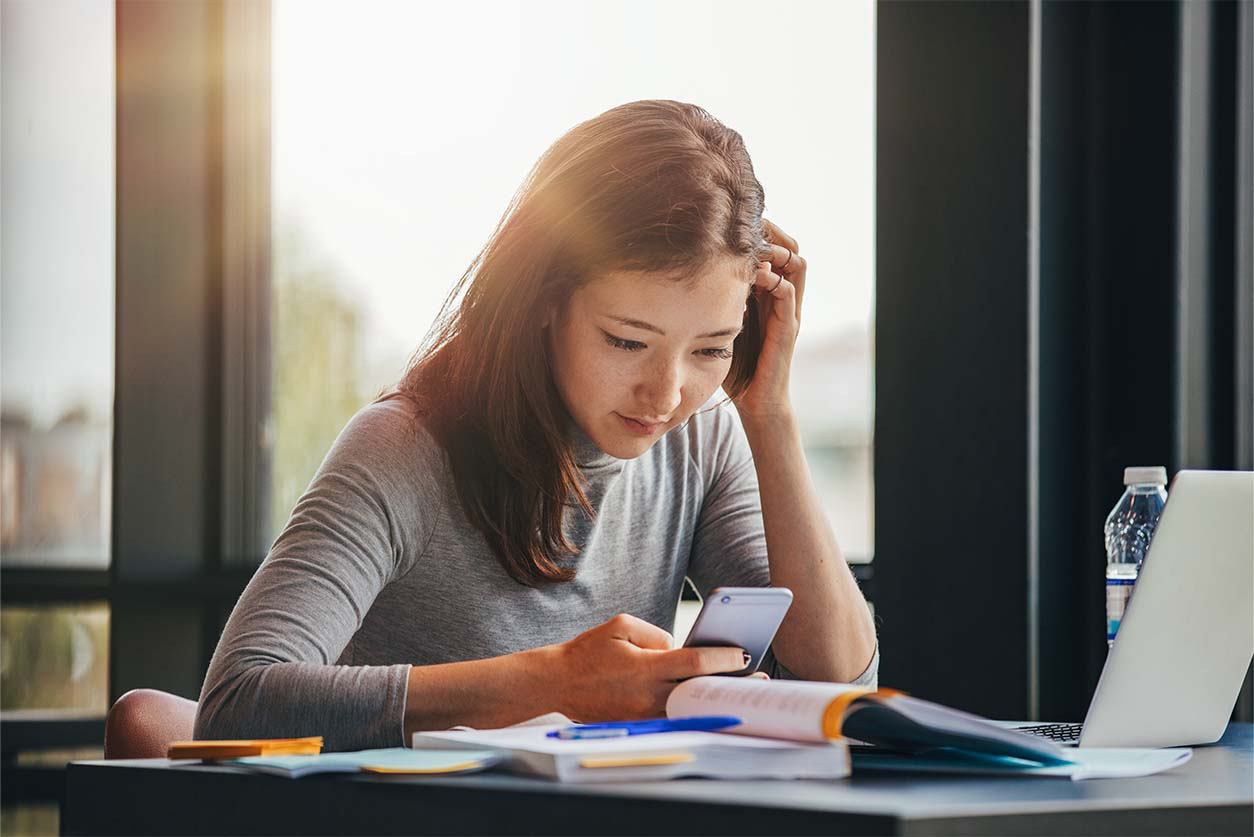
point(402, 129)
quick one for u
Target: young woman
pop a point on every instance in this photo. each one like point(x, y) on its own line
point(507, 533)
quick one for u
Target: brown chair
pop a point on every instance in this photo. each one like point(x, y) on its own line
point(143, 722)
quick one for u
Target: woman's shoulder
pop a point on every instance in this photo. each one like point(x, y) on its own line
point(391, 413)
point(713, 437)
point(390, 436)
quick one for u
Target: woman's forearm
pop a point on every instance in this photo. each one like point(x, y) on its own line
point(622, 669)
point(828, 633)
point(490, 693)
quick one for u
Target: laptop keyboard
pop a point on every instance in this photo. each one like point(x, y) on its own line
point(1062, 733)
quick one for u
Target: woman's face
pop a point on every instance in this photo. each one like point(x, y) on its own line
point(635, 355)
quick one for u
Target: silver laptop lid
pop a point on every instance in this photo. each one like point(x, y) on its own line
point(1187, 637)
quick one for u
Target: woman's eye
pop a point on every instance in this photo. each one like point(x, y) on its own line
point(722, 354)
point(626, 345)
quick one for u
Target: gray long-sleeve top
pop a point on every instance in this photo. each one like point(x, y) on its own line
point(378, 569)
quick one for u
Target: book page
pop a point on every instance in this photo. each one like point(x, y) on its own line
point(536, 740)
point(790, 709)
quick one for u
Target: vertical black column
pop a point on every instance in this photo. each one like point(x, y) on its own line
point(1109, 133)
point(167, 416)
point(1014, 383)
point(951, 352)
point(245, 286)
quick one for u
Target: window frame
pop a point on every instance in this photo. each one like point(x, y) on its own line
point(191, 387)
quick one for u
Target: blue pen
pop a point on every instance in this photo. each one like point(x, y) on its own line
point(618, 729)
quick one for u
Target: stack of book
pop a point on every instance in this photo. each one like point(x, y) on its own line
point(213, 750)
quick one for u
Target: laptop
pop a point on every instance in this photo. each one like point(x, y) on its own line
point(1175, 670)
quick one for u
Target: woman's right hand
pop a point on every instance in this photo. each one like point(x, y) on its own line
point(625, 668)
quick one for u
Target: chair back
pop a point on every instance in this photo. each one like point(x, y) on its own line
point(143, 722)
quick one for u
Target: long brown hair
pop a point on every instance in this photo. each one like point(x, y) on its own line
point(655, 185)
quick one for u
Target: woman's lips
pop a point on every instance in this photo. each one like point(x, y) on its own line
point(638, 427)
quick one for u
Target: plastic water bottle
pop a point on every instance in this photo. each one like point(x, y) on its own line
point(1129, 530)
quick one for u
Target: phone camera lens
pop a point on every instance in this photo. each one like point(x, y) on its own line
point(725, 599)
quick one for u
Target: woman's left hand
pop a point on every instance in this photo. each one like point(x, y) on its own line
point(778, 285)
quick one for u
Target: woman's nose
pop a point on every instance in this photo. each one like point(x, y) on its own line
point(661, 391)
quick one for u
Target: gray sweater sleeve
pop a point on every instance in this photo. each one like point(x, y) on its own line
point(274, 672)
point(729, 544)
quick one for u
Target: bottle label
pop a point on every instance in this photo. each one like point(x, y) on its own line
point(1118, 594)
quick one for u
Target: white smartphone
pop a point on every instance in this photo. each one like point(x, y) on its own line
point(743, 617)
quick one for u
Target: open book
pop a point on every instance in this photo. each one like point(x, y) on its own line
point(806, 711)
point(908, 733)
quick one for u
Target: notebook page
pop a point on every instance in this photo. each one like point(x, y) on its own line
point(775, 708)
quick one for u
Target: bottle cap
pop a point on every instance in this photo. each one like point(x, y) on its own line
point(1151, 475)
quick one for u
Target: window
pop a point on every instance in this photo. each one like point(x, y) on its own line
point(56, 387)
point(54, 657)
point(387, 180)
point(56, 395)
point(56, 301)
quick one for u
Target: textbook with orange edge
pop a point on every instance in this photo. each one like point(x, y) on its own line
point(892, 731)
point(809, 711)
point(241, 748)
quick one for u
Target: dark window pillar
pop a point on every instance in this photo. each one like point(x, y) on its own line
point(951, 352)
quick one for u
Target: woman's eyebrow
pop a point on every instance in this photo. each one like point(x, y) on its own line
point(641, 324)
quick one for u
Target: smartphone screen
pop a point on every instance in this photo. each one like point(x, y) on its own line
point(743, 617)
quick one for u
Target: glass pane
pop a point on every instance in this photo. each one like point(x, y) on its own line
point(379, 209)
point(33, 820)
point(55, 657)
point(56, 301)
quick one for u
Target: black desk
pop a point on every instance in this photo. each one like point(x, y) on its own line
point(1212, 794)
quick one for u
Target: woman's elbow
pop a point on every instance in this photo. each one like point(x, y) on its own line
point(222, 711)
